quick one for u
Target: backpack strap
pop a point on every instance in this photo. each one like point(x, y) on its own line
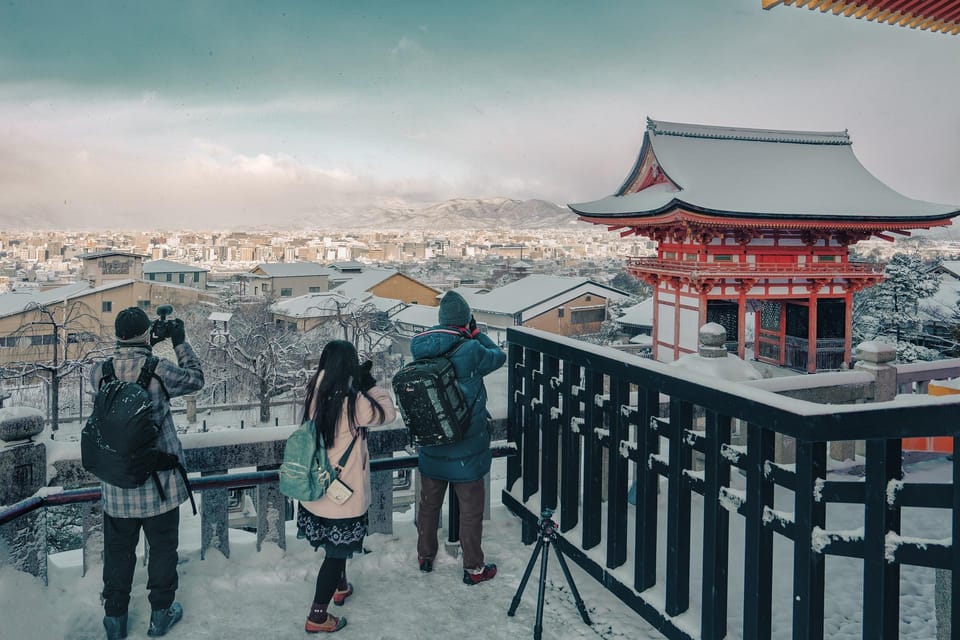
point(186, 481)
point(148, 372)
point(107, 372)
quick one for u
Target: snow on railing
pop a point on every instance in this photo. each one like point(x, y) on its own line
point(820, 538)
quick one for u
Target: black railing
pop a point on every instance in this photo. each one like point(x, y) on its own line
point(588, 422)
point(205, 483)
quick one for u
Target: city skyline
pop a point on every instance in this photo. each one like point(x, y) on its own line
point(190, 116)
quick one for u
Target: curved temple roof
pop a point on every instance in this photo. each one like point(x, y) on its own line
point(728, 171)
point(935, 15)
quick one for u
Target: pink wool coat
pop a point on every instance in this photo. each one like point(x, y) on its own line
point(356, 472)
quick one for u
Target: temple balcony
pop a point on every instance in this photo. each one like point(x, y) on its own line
point(689, 271)
point(707, 507)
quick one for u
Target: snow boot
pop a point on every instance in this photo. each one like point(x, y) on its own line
point(476, 576)
point(319, 621)
point(116, 627)
point(340, 595)
point(426, 565)
point(162, 619)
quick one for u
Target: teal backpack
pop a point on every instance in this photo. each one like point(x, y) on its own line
point(306, 472)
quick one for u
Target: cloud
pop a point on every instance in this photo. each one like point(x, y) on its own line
point(407, 49)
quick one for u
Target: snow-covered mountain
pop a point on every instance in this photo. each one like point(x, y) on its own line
point(459, 213)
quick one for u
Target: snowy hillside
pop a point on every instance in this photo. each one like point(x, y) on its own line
point(459, 213)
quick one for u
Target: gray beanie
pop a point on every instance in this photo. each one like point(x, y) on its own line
point(454, 310)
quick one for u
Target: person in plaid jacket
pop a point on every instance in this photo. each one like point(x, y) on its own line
point(127, 511)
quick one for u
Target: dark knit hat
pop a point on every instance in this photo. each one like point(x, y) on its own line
point(130, 323)
point(454, 310)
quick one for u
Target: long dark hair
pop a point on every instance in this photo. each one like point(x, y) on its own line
point(341, 374)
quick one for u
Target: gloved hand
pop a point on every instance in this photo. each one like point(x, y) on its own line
point(366, 378)
point(472, 328)
point(178, 334)
point(154, 338)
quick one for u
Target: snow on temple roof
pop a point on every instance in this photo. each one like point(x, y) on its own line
point(728, 171)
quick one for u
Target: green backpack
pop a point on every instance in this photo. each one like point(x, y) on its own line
point(306, 472)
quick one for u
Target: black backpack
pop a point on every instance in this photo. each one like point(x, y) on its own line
point(430, 400)
point(119, 442)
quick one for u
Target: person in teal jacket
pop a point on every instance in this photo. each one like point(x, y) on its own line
point(462, 464)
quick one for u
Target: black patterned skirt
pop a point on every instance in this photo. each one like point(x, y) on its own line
point(339, 537)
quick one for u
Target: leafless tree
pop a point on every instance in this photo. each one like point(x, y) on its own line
point(53, 342)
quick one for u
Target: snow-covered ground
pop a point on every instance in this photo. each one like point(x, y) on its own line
point(266, 595)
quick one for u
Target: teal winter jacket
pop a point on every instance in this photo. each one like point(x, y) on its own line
point(473, 358)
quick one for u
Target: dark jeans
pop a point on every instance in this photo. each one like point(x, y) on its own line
point(471, 497)
point(120, 537)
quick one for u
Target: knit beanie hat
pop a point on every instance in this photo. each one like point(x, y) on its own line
point(454, 310)
point(131, 323)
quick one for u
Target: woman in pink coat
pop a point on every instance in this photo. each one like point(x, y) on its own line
point(342, 399)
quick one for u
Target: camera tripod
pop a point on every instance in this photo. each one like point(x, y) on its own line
point(546, 534)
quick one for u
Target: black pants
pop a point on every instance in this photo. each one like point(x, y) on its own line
point(120, 537)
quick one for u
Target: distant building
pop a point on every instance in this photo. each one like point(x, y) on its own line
point(167, 271)
point(107, 266)
point(274, 280)
point(561, 305)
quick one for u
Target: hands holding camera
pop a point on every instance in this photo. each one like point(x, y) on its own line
point(470, 330)
point(366, 380)
point(161, 329)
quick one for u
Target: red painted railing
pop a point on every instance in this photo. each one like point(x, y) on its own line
point(695, 270)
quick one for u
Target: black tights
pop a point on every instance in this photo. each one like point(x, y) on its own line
point(332, 576)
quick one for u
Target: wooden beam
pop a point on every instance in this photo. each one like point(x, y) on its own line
point(770, 4)
point(901, 232)
point(884, 236)
point(840, 7)
point(826, 5)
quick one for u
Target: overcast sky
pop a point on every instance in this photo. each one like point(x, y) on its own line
point(209, 113)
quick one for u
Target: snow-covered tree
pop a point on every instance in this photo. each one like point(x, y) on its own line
point(266, 359)
point(53, 343)
point(890, 311)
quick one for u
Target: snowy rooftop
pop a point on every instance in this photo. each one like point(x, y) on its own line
point(761, 172)
point(417, 315)
point(533, 290)
point(169, 266)
point(291, 269)
point(16, 302)
point(640, 315)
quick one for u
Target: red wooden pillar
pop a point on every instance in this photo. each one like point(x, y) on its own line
point(741, 324)
point(812, 329)
point(847, 325)
point(656, 323)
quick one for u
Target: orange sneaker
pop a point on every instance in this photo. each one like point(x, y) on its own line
point(339, 597)
point(330, 625)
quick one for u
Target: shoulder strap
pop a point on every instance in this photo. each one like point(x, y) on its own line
point(451, 350)
point(346, 454)
point(146, 373)
point(107, 372)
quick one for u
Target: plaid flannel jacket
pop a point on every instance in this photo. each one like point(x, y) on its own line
point(179, 379)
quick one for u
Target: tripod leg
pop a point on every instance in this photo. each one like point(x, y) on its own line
point(538, 625)
point(573, 588)
point(526, 576)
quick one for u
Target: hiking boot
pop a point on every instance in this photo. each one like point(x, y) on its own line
point(330, 625)
point(486, 572)
point(339, 597)
point(162, 619)
point(116, 627)
point(426, 565)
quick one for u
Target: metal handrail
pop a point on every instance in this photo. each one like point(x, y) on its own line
point(204, 483)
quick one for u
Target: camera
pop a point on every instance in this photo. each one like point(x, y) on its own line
point(160, 329)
